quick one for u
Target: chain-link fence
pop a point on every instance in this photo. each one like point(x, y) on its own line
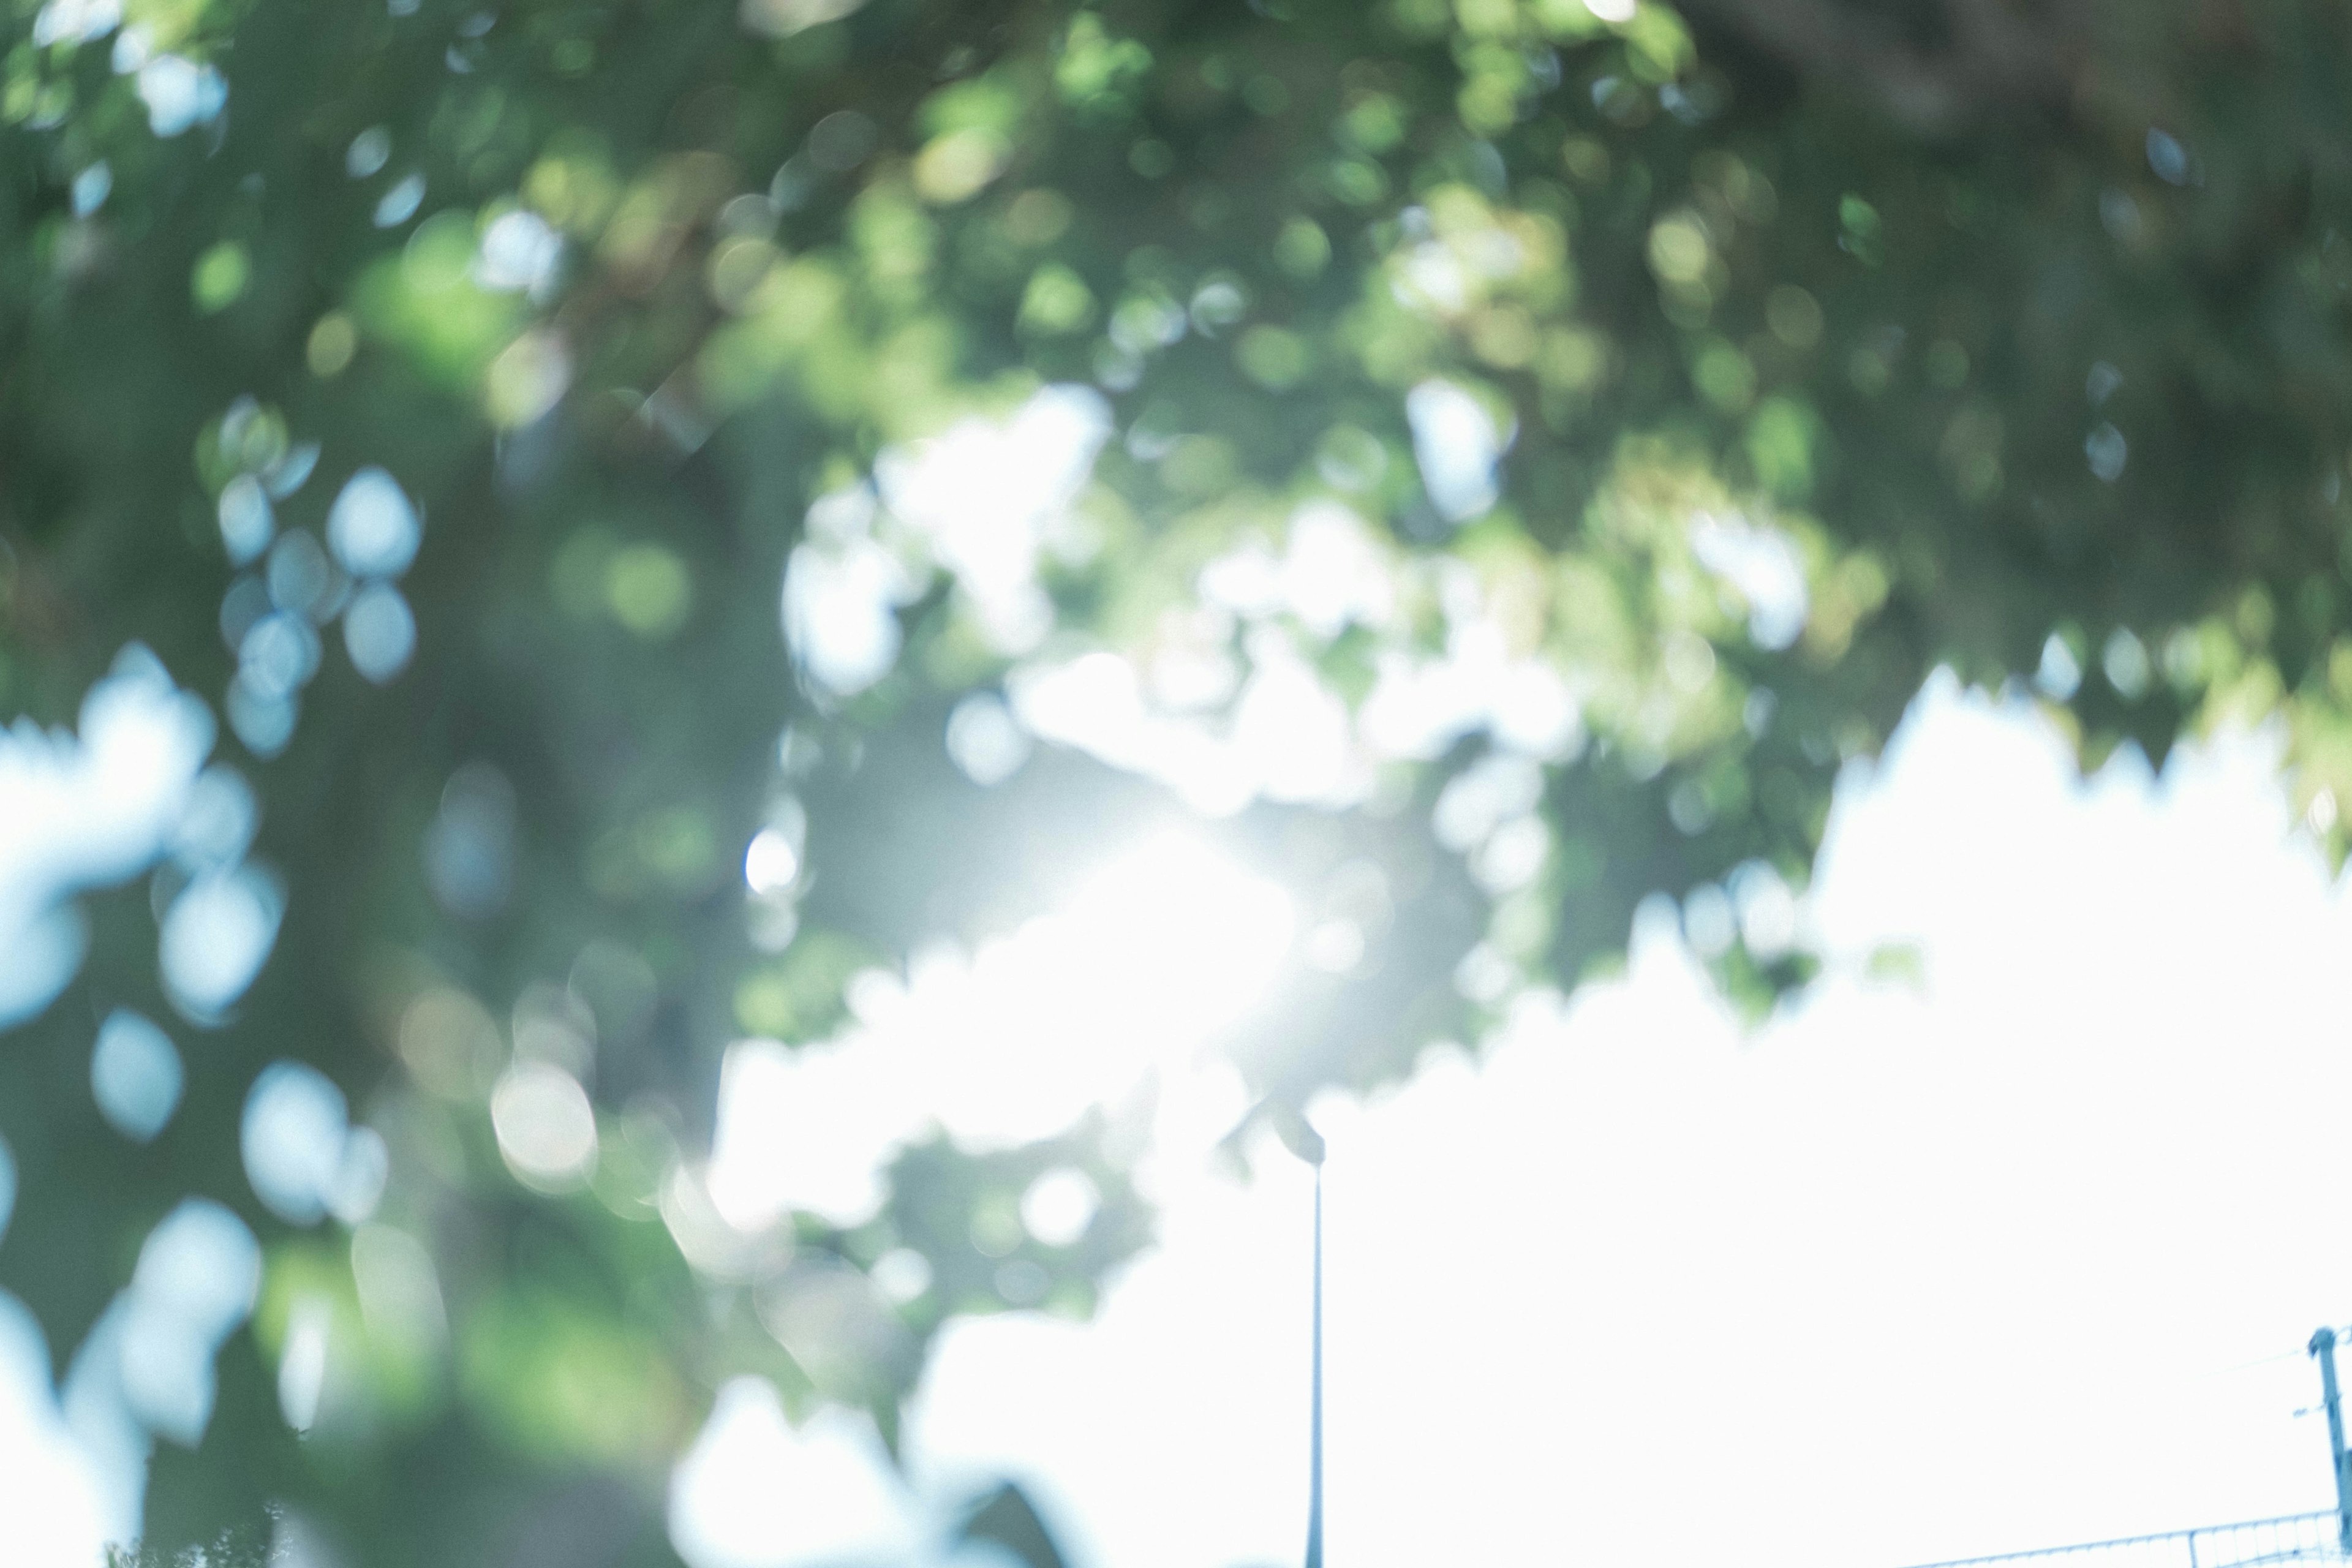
point(2313, 1538)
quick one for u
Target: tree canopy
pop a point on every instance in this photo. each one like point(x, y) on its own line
point(545, 540)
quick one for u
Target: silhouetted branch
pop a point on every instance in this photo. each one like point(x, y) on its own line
point(1994, 56)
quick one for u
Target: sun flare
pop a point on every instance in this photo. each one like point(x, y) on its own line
point(1140, 969)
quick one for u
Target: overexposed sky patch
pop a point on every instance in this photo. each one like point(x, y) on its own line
point(1916, 1271)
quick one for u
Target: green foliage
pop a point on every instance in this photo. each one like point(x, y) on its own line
point(244, 1546)
point(1007, 1518)
point(1995, 343)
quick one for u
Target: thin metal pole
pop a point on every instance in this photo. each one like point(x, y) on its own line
point(1315, 1425)
point(2323, 1345)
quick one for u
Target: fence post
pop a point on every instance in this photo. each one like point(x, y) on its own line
point(2323, 1345)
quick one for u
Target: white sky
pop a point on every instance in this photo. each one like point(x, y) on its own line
point(1910, 1274)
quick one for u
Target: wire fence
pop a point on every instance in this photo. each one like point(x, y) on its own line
point(2298, 1538)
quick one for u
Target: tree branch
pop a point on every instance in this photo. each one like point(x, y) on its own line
point(1998, 55)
